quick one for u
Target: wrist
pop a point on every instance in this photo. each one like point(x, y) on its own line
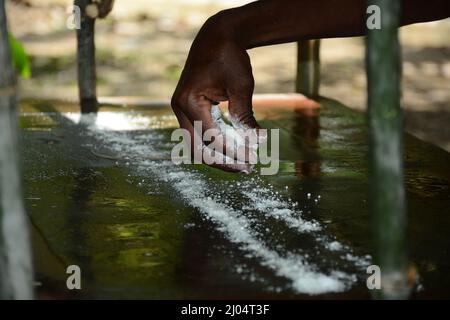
point(227, 25)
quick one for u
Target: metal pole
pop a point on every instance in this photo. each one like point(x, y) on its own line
point(308, 67)
point(86, 60)
point(387, 193)
point(16, 272)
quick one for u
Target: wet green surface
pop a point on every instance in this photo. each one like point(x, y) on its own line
point(135, 236)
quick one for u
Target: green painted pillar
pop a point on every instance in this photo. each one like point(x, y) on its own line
point(308, 67)
point(16, 272)
point(387, 192)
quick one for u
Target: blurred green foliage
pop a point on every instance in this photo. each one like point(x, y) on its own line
point(20, 58)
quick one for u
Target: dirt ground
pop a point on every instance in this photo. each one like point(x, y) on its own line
point(142, 46)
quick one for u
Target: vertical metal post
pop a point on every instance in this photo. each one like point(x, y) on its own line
point(16, 272)
point(387, 193)
point(308, 67)
point(86, 60)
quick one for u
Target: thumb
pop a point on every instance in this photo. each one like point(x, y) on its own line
point(241, 110)
point(242, 118)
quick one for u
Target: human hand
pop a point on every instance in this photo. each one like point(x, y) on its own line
point(217, 69)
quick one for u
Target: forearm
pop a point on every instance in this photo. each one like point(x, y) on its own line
point(267, 22)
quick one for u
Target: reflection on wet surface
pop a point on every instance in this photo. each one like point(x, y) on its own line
point(102, 197)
